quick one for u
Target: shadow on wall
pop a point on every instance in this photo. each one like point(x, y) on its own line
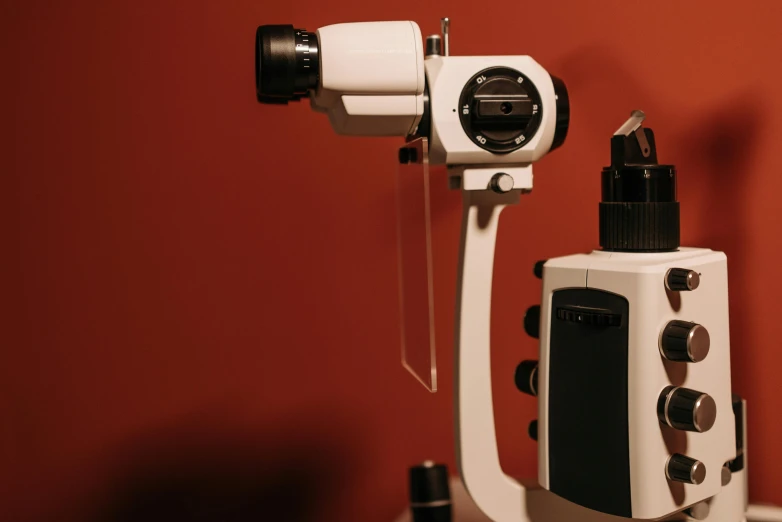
point(294, 477)
point(719, 149)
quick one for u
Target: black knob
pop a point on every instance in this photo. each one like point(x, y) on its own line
point(430, 495)
point(682, 468)
point(682, 280)
point(563, 112)
point(532, 430)
point(538, 268)
point(684, 341)
point(532, 321)
point(500, 109)
point(686, 409)
point(527, 377)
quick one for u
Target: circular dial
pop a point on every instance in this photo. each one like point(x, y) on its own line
point(500, 109)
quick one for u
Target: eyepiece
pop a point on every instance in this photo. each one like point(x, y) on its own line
point(287, 64)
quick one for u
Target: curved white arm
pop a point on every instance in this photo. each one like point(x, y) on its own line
point(499, 496)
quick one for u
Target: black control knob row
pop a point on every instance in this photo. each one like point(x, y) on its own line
point(682, 468)
point(686, 409)
point(684, 341)
point(682, 280)
point(527, 377)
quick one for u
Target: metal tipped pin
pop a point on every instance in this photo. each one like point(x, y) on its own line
point(445, 25)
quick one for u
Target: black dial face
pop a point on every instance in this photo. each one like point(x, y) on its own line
point(500, 109)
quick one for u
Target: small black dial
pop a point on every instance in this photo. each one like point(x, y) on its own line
point(500, 109)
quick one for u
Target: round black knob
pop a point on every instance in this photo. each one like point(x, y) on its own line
point(532, 321)
point(686, 409)
point(532, 430)
point(684, 341)
point(500, 109)
point(430, 495)
point(527, 377)
point(538, 268)
point(682, 468)
point(682, 280)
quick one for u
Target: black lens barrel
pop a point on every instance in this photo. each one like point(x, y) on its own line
point(287, 64)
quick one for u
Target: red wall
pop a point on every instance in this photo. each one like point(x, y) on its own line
point(201, 290)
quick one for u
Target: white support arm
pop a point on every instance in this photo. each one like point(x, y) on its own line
point(500, 497)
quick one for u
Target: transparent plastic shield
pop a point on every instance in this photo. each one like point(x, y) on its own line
point(415, 264)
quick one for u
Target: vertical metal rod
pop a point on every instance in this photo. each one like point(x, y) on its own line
point(445, 24)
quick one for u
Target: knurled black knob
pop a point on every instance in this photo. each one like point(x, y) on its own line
point(682, 280)
point(686, 409)
point(430, 495)
point(684, 341)
point(682, 468)
point(532, 321)
point(527, 377)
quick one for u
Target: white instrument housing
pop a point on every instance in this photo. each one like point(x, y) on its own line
point(449, 143)
point(371, 77)
point(640, 279)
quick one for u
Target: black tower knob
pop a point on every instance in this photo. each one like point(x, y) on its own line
point(684, 341)
point(686, 409)
point(532, 430)
point(430, 495)
point(682, 468)
point(532, 321)
point(538, 268)
point(682, 280)
point(527, 377)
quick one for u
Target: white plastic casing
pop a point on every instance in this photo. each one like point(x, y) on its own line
point(640, 279)
point(449, 144)
point(371, 77)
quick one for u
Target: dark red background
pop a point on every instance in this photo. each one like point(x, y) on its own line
point(200, 291)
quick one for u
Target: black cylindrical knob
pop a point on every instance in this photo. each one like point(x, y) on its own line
point(686, 409)
point(682, 468)
point(430, 495)
point(682, 280)
point(684, 341)
point(433, 45)
point(532, 430)
point(532, 321)
point(538, 268)
point(527, 377)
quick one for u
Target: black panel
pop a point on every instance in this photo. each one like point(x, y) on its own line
point(589, 460)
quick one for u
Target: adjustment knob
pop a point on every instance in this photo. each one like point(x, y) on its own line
point(430, 495)
point(682, 280)
point(684, 341)
point(538, 268)
point(501, 183)
point(682, 468)
point(501, 110)
point(527, 377)
point(532, 321)
point(686, 409)
point(532, 430)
